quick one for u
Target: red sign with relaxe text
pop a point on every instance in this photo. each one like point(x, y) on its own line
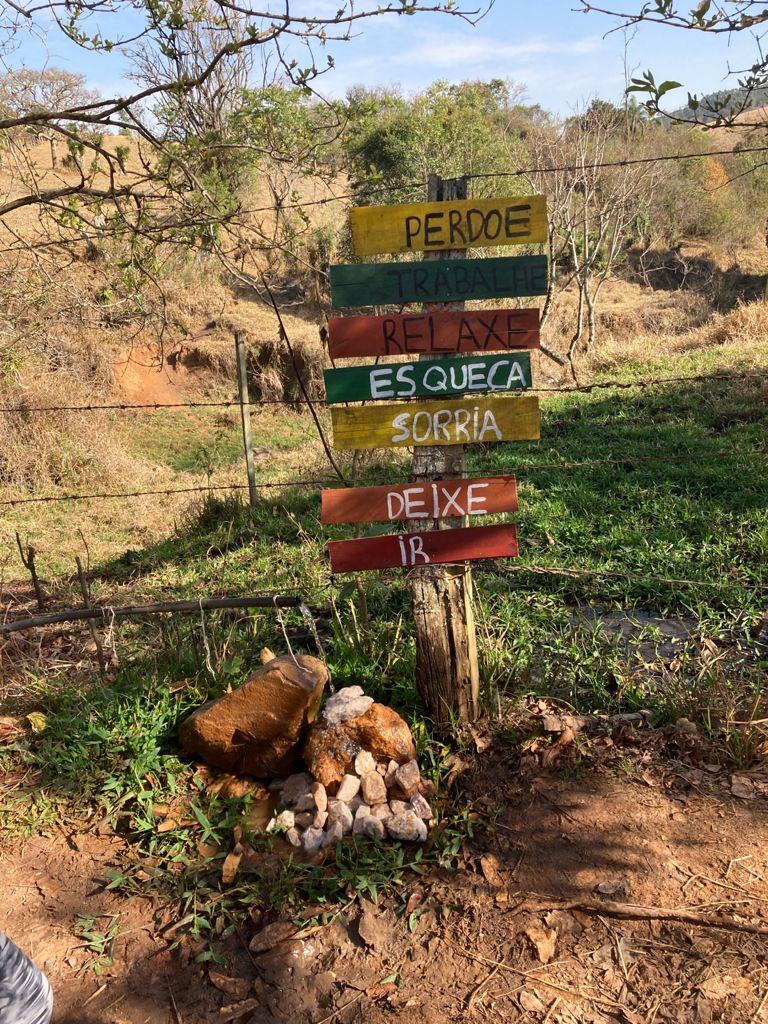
point(431, 499)
point(449, 332)
point(412, 550)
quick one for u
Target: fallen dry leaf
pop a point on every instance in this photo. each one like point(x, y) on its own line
point(230, 866)
point(237, 987)
point(724, 985)
point(544, 940)
point(236, 1010)
point(531, 1003)
point(270, 936)
point(489, 865)
point(742, 787)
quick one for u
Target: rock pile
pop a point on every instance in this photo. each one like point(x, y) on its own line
point(373, 799)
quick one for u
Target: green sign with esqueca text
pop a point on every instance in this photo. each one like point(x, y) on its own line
point(504, 371)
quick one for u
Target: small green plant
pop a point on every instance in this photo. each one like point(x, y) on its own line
point(98, 939)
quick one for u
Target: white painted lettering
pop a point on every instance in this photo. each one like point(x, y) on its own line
point(461, 421)
point(489, 424)
point(441, 421)
point(435, 379)
point(450, 502)
point(405, 376)
point(477, 381)
point(400, 423)
point(395, 505)
point(381, 383)
point(476, 502)
point(403, 552)
point(412, 503)
point(416, 545)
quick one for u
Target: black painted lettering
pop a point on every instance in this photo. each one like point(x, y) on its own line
point(442, 282)
point(391, 344)
point(493, 217)
point(461, 279)
point(539, 279)
point(420, 278)
point(399, 274)
point(501, 282)
point(474, 232)
point(490, 331)
point(455, 229)
point(433, 229)
point(511, 221)
point(414, 341)
point(412, 229)
point(480, 281)
point(512, 330)
point(466, 334)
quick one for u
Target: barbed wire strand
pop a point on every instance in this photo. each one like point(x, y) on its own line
point(521, 471)
point(518, 173)
point(701, 378)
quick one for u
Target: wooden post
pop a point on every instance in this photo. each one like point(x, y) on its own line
point(245, 414)
point(94, 635)
point(447, 674)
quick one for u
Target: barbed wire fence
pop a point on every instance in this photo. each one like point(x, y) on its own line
point(290, 599)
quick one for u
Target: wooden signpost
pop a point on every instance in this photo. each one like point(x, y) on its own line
point(454, 422)
point(455, 349)
point(373, 284)
point(456, 224)
point(416, 550)
point(432, 379)
point(438, 333)
point(433, 499)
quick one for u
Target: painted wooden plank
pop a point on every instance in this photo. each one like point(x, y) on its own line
point(435, 378)
point(373, 284)
point(431, 499)
point(455, 224)
point(410, 550)
point(453, 421)
point(489, 330)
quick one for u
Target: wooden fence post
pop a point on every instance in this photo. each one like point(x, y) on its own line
point(245, 414)
point(447, 674)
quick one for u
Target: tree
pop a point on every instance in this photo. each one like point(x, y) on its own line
point(35, 96)
point(713, 17)
point(188, 57)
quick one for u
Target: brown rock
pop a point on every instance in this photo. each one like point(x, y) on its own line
point(258, 728)
point(407, 778)
point(270, 936)
point(330, 750)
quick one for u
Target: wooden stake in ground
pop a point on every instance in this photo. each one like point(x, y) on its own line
point(245, 415)
point(28, 559)
point(447, 673)
point(94, 635)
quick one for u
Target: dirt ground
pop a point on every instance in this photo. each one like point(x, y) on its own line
point(643, 820)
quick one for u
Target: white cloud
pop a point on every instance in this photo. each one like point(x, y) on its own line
point(438, 50)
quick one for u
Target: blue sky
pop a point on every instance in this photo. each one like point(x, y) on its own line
point(562, 56)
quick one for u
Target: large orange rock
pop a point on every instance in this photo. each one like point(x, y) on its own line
point(330, 749)
point(259, 727)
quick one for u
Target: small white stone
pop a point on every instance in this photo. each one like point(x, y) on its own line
point(399, 806)
point(389, 774)
point(339, 813)
point(293, 836)
point(333, 834)
point(365, 763)
point(313, 839)
point(371, 826)
point(285, 819)
point(306, 802)
point(348, 703)
point(363, 811)
point(407, 778)
point(407, 827)
point(358, 826)
point(320, 795)
point(294, 787)
point(319, 819)
point(421, 806)
point(348, 788)
point(373, 788)
point(381, 812)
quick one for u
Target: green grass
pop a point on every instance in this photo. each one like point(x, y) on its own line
point(702, 516)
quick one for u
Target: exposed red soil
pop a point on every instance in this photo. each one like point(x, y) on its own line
point(648, 829)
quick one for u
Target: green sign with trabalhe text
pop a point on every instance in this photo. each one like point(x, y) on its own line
point(373, 284)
